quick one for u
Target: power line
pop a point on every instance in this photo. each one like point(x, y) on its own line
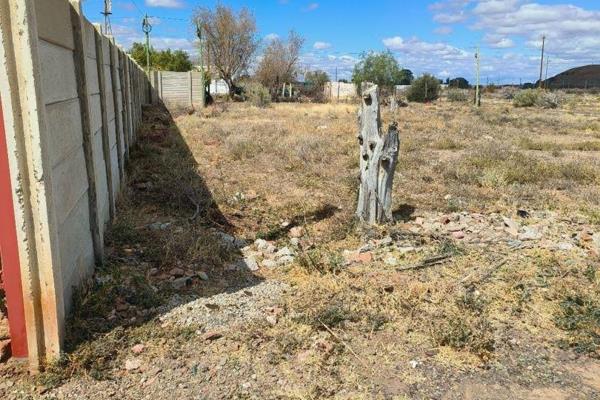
point(138, 8)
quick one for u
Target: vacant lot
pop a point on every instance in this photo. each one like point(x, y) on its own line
point(485, 286)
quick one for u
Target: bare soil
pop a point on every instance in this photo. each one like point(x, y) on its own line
point(485, 286)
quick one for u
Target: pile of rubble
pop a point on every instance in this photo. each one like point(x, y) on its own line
point(541, 229)
point(263, 253)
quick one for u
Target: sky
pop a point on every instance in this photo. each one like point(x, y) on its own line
point(437, 37)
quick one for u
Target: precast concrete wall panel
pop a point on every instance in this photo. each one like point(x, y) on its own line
point(73, 105)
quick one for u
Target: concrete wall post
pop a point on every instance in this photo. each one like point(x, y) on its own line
point(30, 168)
point(114, 73)
point(79, 59)
point(105, 139)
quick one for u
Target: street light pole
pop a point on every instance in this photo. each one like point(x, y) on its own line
point(147, 28)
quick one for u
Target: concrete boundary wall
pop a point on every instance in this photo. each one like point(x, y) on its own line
point(340, 91)
point(72, 103)
point(178, 89)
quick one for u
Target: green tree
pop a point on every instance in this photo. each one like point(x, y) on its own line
point(405, 77)
point(459, 83)
point(381, 69)
point(316, 78)
point(162, 60)
point(424, 89)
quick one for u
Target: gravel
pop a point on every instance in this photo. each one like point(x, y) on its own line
point(224, 310)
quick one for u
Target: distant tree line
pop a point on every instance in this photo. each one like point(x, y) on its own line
point(162, 60)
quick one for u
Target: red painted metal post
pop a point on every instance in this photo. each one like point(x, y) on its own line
point(11, 271)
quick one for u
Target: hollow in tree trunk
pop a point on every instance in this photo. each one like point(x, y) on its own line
point(378, 159)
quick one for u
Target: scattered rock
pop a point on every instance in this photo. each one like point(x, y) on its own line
point(138, 348)
point(133, 364)
point(458, 235)
point(212, 335)
point(284, 252)
point(271, 319)
point(159, 226)
point(202, 275)
point(565, 246)
point(365, 257)
point(296, 232)
point(530, 233)
point(266, 263)
point(295, 242)
point(407, 249)
point(177, 272)
point(511, 226)
point(231, 240)
point(261, 244)
point(585, 237)
point(285, 260)
point(251, 264)
point(391, 261)
point(180, 283)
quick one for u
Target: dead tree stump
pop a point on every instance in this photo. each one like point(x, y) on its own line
point(378, 159)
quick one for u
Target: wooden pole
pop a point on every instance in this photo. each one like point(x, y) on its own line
point(542, 61)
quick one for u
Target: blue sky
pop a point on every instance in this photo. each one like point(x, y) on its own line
point(438, 37)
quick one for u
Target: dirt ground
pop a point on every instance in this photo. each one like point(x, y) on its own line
point(236, 269)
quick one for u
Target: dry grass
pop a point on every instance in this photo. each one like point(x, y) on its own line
point(365, 331)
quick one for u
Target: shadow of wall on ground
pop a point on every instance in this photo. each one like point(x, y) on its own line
point(169, 245)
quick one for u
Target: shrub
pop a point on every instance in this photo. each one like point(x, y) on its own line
point(548, 100)
point(526, 98)
point(457, 95)
point(424, 89)
point(257, 94)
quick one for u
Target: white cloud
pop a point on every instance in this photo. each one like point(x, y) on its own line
point(126, 35)
point(312, 7)
point(450, 18)
point(165, 3)
point(344, 64)
point(572, 32)
point(321, 45)
point(496, 6)
point(418, 48)
point(443, 30)
point(498, 41)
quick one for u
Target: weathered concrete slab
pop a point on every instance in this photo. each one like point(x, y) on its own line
point(54, 22)
point(58, 73)
point(64, 128)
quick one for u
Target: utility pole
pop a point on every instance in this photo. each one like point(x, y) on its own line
point(542, 60)
point(107, 12)
point(147, 28)
point(201, 51)
point(546, 76)
point(338, 85)
point(477, 95)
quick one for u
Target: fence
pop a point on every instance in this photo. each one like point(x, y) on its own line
point(340, 91)
point(184, 89)
point(71, 107)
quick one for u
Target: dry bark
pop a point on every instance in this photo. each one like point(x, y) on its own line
point(378, 159)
